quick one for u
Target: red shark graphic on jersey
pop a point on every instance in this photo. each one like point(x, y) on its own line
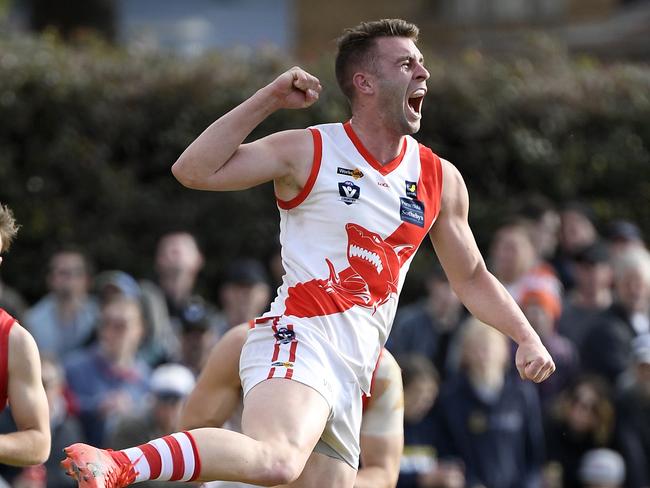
point(370, 280)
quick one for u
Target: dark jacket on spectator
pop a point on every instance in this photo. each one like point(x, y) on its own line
point(501, 442)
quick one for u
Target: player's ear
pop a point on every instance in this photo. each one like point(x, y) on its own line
point(363, 83)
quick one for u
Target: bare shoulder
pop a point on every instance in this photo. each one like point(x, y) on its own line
point(454, 191)
point(293, 146)
point(23, 352)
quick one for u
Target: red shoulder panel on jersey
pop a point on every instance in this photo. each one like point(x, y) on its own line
point(6, 322)
point(315, 168)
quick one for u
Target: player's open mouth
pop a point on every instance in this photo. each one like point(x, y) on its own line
point(414, 102)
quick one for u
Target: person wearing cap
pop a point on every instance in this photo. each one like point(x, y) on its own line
point(542, 307)
point(170, 384)
point(592, 292)
point(606, 349)
point(108, 379)
point(622, 234)
point(633, 407)
point(602, 468)
point(160, 342)
point(577, 230)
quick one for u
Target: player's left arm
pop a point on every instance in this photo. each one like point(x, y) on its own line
point(30, 444)
point(382, 428)
point(479, 290)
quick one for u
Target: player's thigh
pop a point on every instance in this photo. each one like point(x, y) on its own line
point(322, 470)
point(285, 412)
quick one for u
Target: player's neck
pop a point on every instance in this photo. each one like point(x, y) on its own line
point(381, 141)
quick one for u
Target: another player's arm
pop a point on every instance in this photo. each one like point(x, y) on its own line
point(382, 433)
point(218, 159)
point(217, 391)
point(30, 444)
point(479, 290)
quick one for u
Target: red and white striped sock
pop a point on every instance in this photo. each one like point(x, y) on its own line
point(174, 457)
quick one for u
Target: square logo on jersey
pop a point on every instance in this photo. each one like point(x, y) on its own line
point(349, 192)
point(412, 211)
point(411, 189)
point(356, 173)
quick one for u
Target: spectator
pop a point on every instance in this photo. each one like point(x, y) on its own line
point(197, 338)
point(155, 346)
point(107, 379)
point(607, 346)
point(419, 467)
point(542, 310)
point(545, 221)
point(514, 260)
point(178, 262)
point(245, 292)
point(623, 234)
point(64, 320)
point(170, 385)
point(633, 408)
point(428, 326)
point(577, 231)
point(592, 292)
point(489, 419)
point(602, 468)
point(582, 419)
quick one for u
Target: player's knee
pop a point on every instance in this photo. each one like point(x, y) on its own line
point(281, 469)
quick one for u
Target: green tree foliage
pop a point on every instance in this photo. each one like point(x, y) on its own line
point(88, 134)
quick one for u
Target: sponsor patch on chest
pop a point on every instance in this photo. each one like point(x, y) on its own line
point(412, 211)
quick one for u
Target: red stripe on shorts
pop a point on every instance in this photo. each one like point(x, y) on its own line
point(276, 351)
point(177, 458)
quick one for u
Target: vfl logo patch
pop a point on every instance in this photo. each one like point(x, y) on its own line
point(411, 189)
point(349, 192)
point(355, 173)
point(412, 211)
point(284, 335)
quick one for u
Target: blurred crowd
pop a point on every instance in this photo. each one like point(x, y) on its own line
point(120, 353)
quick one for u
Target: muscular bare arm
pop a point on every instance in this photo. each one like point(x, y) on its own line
point(30, 444)
point(478, 289)
point(217, 391)
point(218, 159)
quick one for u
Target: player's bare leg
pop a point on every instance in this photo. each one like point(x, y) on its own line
point(282, 420)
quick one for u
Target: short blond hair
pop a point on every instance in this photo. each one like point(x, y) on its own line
point(8, 227)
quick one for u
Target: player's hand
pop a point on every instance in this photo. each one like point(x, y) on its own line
point(295, 88)
point(533, 361)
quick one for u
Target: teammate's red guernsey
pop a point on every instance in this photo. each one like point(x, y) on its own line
point(6, 322)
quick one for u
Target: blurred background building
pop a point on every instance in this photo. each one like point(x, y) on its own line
point(305, 28)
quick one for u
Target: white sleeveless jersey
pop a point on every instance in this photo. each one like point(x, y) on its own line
point(348, 239)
